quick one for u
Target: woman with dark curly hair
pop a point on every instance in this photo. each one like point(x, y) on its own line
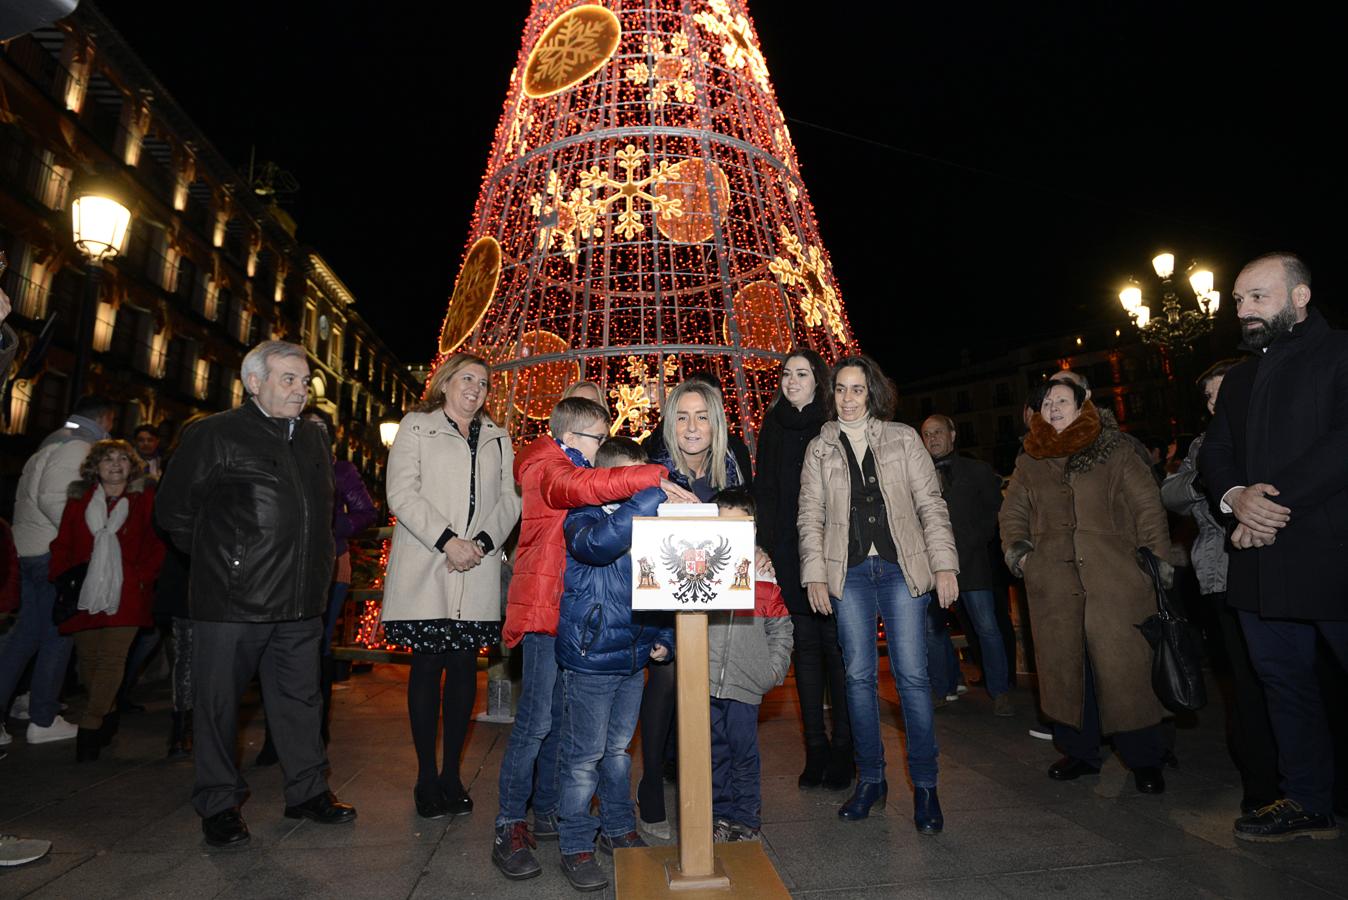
point(107, 527)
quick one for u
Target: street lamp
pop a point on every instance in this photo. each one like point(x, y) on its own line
point(98, 224)
point(387, 432)
point(1172, 327)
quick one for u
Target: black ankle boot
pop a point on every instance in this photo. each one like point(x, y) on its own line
point(816, 759)
point(108, 730)
point(87, 745)
point(840, 770)
point(180, 746)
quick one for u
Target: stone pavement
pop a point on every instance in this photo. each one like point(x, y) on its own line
point(123, 827)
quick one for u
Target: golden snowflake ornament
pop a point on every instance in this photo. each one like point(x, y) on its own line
point(668, 72)
point(807, 270)
point(739, 49)
point(563, 218)
point(630, 190)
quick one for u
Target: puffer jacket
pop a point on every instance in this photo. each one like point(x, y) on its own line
point(749, 650)
point(252, 505)
point(598, 634)
point(1182, 494)
point(918, 519)
point(550, 484)
point(41, 495)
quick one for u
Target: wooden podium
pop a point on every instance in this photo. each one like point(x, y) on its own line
point(696, 867)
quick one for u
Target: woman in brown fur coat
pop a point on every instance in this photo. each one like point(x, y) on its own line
point(1077, 508)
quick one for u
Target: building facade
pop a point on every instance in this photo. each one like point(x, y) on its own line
point(209, 267)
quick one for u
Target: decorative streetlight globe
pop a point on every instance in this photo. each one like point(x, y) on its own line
point(99, 225)
point(1172, 326)
point(642, 218)
point(387, 432)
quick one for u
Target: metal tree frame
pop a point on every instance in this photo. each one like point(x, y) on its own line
point(642, 218)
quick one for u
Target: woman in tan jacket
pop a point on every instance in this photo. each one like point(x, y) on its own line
point(452, 489)
point(1078, 506)
point(875, 540)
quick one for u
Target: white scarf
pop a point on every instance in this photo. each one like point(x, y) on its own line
point(102, 589)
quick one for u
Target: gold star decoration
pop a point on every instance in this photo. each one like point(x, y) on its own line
point(669, 70)
point(806, 269)
point(739, 49)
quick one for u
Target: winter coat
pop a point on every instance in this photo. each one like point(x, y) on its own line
point(428, 491)
point(598, 633)
point(41, 495)
point(142, 555)
point(353, 508)
point(918, 520)
point(786, 433)
point(251, 502)
point(973, 494)
point(9, 570)
point(749, 651)
point(1078, 506)
point(1182, 494)
point(550, 484)
point(1282, 419)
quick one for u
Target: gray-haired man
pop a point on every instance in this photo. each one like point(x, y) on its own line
point(249, 496)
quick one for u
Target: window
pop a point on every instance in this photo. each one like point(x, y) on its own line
point(968, 437)
point(335, 349)
point(236, 392)
point(51, 403)
point(201, 378)
point(240, 318)
point(355, 356)
point(962, 403)
point(20, 402)
point(310, 326)
point(1001, 393)
point(151, 350)
point(104, 322)
point(206, 297)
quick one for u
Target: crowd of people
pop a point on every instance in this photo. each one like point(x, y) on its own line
point(869, 530)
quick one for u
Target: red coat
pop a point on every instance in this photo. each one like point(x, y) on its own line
point(550, 484)
point(142, 555)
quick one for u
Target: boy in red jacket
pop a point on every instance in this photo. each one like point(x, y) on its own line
point(555, 474)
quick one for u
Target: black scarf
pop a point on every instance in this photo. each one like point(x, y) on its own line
point(792, 419)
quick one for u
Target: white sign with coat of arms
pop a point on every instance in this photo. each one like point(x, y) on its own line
point(692, 564)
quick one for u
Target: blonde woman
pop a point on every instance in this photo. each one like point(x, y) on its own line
point(451, 486)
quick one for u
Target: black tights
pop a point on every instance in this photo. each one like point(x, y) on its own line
point(659, 705)
point(424, 706)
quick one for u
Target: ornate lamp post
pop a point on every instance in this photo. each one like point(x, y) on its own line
point(99, 225)
point(1173, 327)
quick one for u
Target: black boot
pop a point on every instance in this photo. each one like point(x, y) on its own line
point(816, 759)
point(87, 745)
point(840, 770)
point(179, 743)
point(108, 730)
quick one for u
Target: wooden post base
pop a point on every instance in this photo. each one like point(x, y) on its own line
point(741, 870)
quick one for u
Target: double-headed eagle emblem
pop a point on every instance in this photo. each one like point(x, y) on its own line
point(695, 566)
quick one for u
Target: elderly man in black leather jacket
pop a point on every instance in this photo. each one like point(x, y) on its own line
point(249, 496)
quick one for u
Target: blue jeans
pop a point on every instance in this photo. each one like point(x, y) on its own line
point(599, 716)
point(336, 600)
point(1283, 653)
point(980, 606)
point(736, 788)
point(873, 588)
point(943, 664)
point(534, 738)
point(34, 634)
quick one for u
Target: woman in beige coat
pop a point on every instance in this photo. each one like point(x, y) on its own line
point(451, 487)
point(1078, 506)
point(875, 541)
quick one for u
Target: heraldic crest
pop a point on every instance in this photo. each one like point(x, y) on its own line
point(695, 566)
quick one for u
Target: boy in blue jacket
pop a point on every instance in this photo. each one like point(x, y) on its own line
point(602, 648)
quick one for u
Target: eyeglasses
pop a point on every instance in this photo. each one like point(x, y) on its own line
point(597, 438)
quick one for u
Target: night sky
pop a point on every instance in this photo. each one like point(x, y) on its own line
point(982, 173)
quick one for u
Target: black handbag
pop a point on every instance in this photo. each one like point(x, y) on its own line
point(68, 585)
point(1177, 654)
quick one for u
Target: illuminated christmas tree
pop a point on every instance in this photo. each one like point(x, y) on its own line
point(642, 218)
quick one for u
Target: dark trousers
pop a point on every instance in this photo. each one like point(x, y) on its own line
point(1249, 734)
point(225, 656)
point(1283, 653)
point(819, 662)
point(735, 768)
point(1142, 748)
point(659, 702)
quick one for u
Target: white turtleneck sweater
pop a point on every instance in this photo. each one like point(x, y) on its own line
point(855, 433)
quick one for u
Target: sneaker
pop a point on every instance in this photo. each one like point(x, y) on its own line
point(545, 826)
point(1042, 732)
point(512, 852)
point(582, 870)
point(58, 730)
point(19, 708)
point(1286, 820)
point(1002, 706)
point(608, 844)
point(722, 831)
point(952, 697)
point(15, 851)
point(4, 736)
point(745, 833)
point(661, 830)
point(961, 689)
